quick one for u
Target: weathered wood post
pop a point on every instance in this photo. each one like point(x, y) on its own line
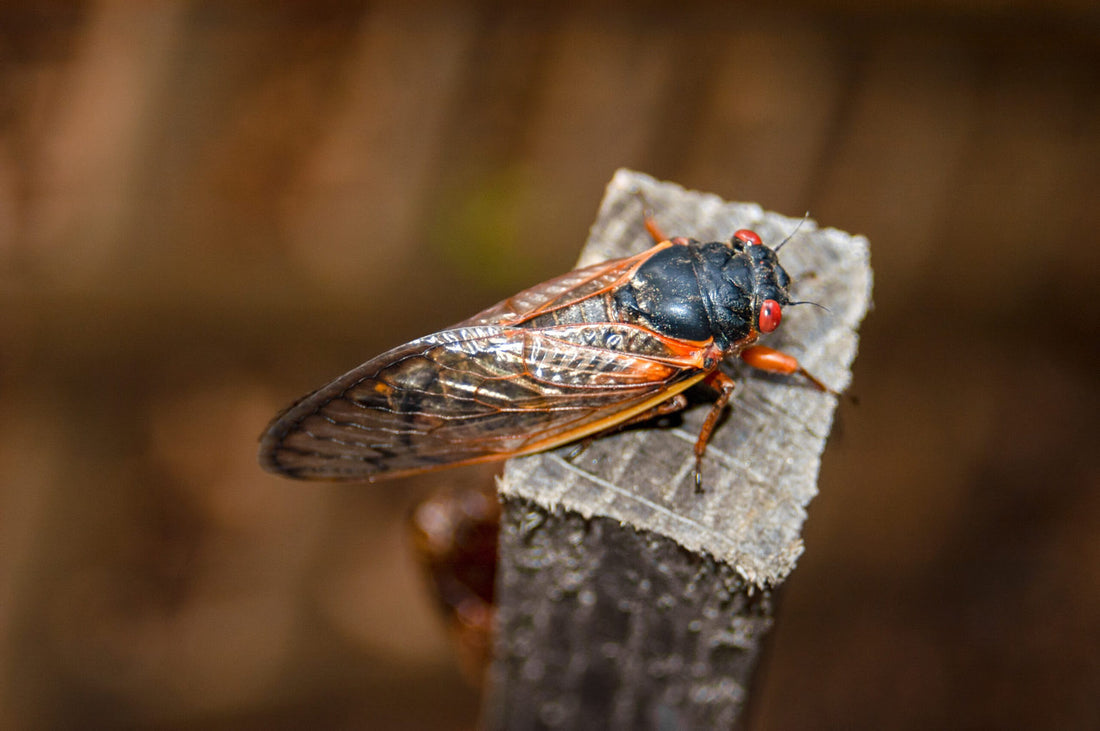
point(627, 600)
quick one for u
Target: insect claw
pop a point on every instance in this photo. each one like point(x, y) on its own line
point(578, 449)
point(697, 473)
point(817, 383)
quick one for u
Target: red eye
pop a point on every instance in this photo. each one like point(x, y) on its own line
point(770, 315)
point(749, 237)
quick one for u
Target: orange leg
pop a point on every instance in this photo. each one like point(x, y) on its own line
point(758, 356)
point(650, 223)
point(654, 229)
point(725, 387)
point(776, 361)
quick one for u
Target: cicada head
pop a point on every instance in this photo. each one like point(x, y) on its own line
point(745, 289)
point(771, 283)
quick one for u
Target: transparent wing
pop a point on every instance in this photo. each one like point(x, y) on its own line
point(477, 393)
point(561, 292)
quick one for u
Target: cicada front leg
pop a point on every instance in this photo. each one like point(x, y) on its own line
point(776, 361)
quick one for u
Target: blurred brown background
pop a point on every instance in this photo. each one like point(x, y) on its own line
point(209, 208)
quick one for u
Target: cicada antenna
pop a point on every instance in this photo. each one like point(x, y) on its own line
point(808, 302)
point(791, 235)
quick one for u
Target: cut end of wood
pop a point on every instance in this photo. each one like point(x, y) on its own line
point(627, 599)
point(761, 466)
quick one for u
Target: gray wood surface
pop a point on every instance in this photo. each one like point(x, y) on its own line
point(626, 598)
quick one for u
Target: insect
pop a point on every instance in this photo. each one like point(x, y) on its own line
point(598, 348)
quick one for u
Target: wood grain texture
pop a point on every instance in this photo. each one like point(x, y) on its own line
point(626, 599)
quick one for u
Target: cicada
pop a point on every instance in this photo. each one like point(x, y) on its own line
point(587, 352)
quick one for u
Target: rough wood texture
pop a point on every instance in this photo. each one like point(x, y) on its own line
point(626, 600)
